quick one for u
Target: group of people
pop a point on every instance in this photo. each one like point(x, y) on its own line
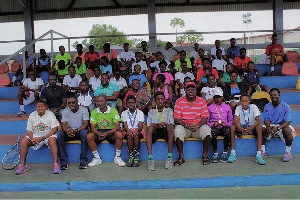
point(107, 106)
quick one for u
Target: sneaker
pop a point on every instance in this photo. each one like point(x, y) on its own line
point(264, 154)
point(151, 165)
point(21, 113)
point(136, 162)
point(64, 167)
point(287, 157)
point(130, 162)
point(231, 158)
point(56, 169)
point(82, 165)
point(223, 157)
point(95, 162)
point(118, 161)
point(169, 163)
point(21, 169)
point(215, 158)
point(272, 73)
point(259, 159)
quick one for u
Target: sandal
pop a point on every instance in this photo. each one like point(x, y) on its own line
point(179, 162)
point(205, 160)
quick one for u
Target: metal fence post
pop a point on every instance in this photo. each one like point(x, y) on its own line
point(24, 64)
point(52, 48)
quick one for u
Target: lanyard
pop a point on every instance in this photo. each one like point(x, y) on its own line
point(132, 122)
point(218, 111)
point(160, 118)
point(247, 122)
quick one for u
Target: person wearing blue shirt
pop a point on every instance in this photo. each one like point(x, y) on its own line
point(233, 51)
point(109, 90)
point(105, 67)
point(277, 119)
point(137, 75)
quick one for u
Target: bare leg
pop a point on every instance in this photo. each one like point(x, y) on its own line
point(287, 134)
point(150, 130)
point(119, 140)
point(206, 143)
point(179, 144)
point(25, 143)
point(259, 137)
point(91, 140)
point(53, 149)
point(232, 136)
point(170, 130)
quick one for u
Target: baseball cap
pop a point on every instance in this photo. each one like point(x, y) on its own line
point(190, 84)
point(218, 93)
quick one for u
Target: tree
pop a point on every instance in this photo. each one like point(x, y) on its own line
point(181, 39)
point(193, 38)
point(175, 23)
point(159, 43)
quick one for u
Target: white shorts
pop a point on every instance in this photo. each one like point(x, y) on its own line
point(45, 142)
point(279, 133)
point(30, 99)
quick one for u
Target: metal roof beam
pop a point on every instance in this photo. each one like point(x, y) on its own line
point(116, 3)
point(187, 2)
point(71, 4)
point(22, 3)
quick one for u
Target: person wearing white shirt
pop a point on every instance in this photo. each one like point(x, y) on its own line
point(118, 80)
point(170, 51)
point(210, 90)
point(126, 57)
point(95, 81)
point(139, 61)
point(214, 49)
point(219, 63)
point(194, 54)
point(71, 82)
point(179, 76)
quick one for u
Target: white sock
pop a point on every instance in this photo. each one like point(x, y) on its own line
point(118, 153)
point(96, 154)
point(22, 108)
point(258, 153)
point(263, 148)
point(14, 79)
point(233, 151)
point(288, 149)
point(272, 69)
point(224, 152)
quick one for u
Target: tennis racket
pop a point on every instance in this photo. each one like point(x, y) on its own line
point(142, 97)
point(12, 157)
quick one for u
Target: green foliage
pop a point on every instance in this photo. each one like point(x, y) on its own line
point(175, 23)
point(193, 38)
point(159, 43)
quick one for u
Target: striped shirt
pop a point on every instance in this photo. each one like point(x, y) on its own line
point(190, 114)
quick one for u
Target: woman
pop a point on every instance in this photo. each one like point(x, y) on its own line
point(160, 86)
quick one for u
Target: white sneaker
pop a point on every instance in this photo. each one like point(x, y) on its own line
point(95, 162)
point(118, 161)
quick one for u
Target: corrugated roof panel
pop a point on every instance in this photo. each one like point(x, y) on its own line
point(52, 4)
point(169, 1)
point(92, 3)
point(10, 6)
point(291, 5)
point(132, 2)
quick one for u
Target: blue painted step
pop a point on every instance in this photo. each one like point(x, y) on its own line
point(279, 81)
point(266, 68)
point(12, 107)
point(290, 97)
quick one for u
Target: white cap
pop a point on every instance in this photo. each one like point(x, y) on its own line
point(218, 93)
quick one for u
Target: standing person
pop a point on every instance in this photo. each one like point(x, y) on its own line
point(211, 89)
point(241, 62)
point(277, 120)
point(105, 125)
point(29, 92)
point(71, 81)
point(146, 53)
point(44, 62)
point(160, 124)
point(180, 60)
point(233, 51)
point(92, 58)
point(95, 81)
point(74, 124)
point(214, 49)
point(42, 127)
point(220, 119)
point(80, 53)
point(275, 52)
point(191, 113)
point(139, 61)
point(246, 122)
point(133, 120)
point(62, 55)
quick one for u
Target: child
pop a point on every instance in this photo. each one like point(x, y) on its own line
point(219, 63)
point(160, 124)
point(105, 67)
point(169, 78)
point(154, 62)
point(95, 81)
point(179, 61)
point(226, 75)
point(85, 97)
point(179, 76)
point(246, 122)
point(220, 119)
point(211, 89)
point(92, 58)
point(160, 86)
point(71, 81)
point(241, 62)
point(251, 79)
point(121, 82)
point(137, 75)
point(61, 70)
point(214, 49)
point(133, 120)
point(139, 61)
point(206, 64)
point(80, 68)
point(203, 80)
point(18, 75)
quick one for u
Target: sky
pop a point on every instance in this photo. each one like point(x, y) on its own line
point(137, 24)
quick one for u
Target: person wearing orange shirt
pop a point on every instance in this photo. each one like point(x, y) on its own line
point(276, 52)
point(206, 64)
point(79, 53)
point(241, 62)
point(92, 58)
point(111, 54)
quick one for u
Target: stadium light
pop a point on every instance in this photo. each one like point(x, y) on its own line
point(247, 20)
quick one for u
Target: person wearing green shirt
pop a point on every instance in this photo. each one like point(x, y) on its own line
point(105, 125)
point(226, 75)
point(62, 56)
point(80, 68)
point(182, 58)
point(61, 70)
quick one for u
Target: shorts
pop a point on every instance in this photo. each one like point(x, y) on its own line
point(181, 133)
point(160, 133)
point(279, 133)
point(222, 131)
point(141, 132)
point(126, 72)
point(278, 59)
point(253, 131)
point(109, 137)
point(38, 146)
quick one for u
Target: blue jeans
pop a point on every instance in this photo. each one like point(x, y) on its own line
point(62, 138)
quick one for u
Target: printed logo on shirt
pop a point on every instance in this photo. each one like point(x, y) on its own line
point(104, 123)
point(41, 127)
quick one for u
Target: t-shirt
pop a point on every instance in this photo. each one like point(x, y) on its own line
point(251, 78)
point(241, 64)
point(28, 61)
point(167, 117)
point(121, 82)
point(59, 93)
point(216, 111)
point(200, 73)
point(219, 64)
point(214, 49)
point(146, 53)
point(72, 82)
point(41, 125)
point(190, 114)
point(126, 56)
point(108, 91)
point(168, 54)
point(194, 54)
point(226, 78)
point(92, 57)
point(198, 63)
point(106, 69)
point(278, 115)
point(75, 120)
point(111, 55)
point(62, 72)
point(274, 49)
point(44, 62)
point(81, 69)
point(105, 120)
point(247, 117)
point(178, 64)
point(66, 57)
point(210, 92)
point(233, 52)
point(95, 82)
point(180, 76)
point(33, 84)
point(156, 64)
point(168, 76)
point(85, 99)
point(82, 56)
point(135, 118)
point(143, 65)
point(140, 77)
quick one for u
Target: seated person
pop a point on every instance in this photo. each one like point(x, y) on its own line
point(226, 75)
point(55, 96)
point(29, 92)
point(203, 81)
point(160, 124)
point(220, 119)
point(62, 56)
point(275, 52)
point(156, 59)
point(146, 53)
point(95, 81)
point(105, 67)
point(277, 121)
point(246, 122)
point(126, 59)
point(92, 58)
point(85, 97)
point(80, 53)
point(111, 54)
point(137, 75)
point(139, 61)
point(206, 64)
point(29, 66)
point(241, 62)
point(219, 63)
point(194, 54)
point(41, 129)
point(61, 70)
point(74, 124)
point(179, 76)
point(213, 51)
point(44, 62)
point(233, 51)
point(182, 58)
point(80, 68)
point(182, 91)
point(121, 82)
point(252, 81)
point(109, 90)
point(105, 125)
point(169, 78)
point(211, 89)
point(71, 81)
point(169, 52)
point(133, 120)
point(160, 86)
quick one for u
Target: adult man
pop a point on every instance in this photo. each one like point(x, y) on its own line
point(71, 81)
point(277, 120)
point(146, 52)
point(92, 58)
point(74, 123)
point(55, 96)
point(41, 129)
point(214, 49)
point(233, 51)
point(62, 56)
point(169, 51)
point(191, 113)
point(275, 52)
point(241, 62)
point(29, 92)
point(79, 53)
point(105, 125)
point(95, 81)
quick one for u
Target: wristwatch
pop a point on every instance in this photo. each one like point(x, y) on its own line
point(43, 138)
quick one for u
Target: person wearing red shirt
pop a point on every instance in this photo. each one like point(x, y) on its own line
point(111, 54)
point(206, 64)
point(241, 62)
point(92, 58)
point(276, 52)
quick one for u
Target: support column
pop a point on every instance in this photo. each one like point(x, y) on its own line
point(278, 19)
point(151, 23)
point(29, 24)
